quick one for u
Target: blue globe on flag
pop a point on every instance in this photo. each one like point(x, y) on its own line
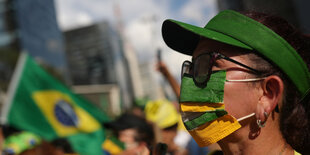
point(65, 113)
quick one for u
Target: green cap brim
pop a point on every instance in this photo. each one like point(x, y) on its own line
point(238, 30)
point(184, 37)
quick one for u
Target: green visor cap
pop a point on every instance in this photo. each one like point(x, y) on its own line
point(235, 29)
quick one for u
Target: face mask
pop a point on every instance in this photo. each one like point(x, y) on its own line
point(203, 110)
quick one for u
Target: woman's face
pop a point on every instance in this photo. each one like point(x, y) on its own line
point(240, 98)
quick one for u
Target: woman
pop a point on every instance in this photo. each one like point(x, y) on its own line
point(247, 87)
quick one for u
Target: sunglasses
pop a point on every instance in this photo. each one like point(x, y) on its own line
point(201, 67)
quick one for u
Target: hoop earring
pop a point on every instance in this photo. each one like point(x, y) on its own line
point(260, 123)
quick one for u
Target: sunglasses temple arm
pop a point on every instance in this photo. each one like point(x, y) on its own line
point(245, 66)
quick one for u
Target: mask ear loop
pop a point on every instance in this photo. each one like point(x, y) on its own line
point(245, 117)
point(260, 123)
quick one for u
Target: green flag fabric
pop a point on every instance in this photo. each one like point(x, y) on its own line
point(39, 103)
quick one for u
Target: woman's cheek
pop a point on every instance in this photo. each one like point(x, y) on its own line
point(237, 99)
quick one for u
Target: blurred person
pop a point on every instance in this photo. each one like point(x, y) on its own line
point(165, 116)
point(138, 106)
point(134, 132)
point(27, 143)
point(22, 143)
point(61, 146)
point(247, 87)
point(1, 139)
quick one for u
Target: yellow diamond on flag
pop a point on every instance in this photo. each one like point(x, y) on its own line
point(64, 115)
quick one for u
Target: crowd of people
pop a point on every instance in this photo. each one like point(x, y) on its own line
point(151, 127)
point(246, 91)
point(154, 127)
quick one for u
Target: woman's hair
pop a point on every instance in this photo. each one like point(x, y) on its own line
point(294, 115)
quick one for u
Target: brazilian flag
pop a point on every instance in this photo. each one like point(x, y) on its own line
point(40, 104)
point(112, 145)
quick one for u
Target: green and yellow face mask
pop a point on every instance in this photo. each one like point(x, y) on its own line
point(203, 110)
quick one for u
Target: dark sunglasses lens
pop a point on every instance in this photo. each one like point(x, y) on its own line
point(186, 68)
point(202, 68)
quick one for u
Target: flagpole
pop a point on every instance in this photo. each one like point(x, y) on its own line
point(12, 86)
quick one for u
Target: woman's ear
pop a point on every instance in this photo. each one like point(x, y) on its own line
point(272, 93)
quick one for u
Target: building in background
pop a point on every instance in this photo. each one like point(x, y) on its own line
point(30, 26)
point(295, 11)
point(90, 51)
point(96, 56)
point(150, 81)
point(134, 70)
point(130, 55)
point(106, 97)
point(38, 33)
point(9, 47)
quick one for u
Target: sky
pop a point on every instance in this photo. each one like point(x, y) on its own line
point(141, 20)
